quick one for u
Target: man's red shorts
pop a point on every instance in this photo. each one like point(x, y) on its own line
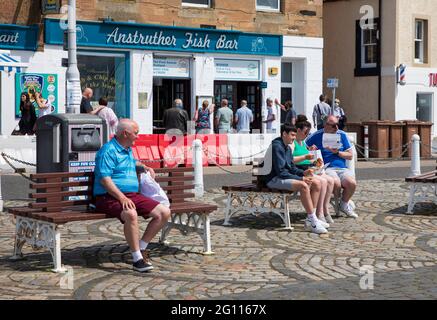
point(108, 204)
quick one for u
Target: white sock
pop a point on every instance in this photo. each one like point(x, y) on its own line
point(136, 256)
point(312, 217)
point(143, 245)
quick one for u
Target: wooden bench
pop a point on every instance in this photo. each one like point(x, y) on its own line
point(422, 188)
point(58, 201)
point(256, 198)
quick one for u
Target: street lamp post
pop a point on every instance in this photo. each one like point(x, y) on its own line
point(73, 76)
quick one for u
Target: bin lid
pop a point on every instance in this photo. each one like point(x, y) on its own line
point(377, 122)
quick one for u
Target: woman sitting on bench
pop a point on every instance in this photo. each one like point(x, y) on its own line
point(304, 160)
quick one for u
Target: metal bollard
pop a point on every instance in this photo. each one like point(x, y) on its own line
point(366, 142)
point(415, 156)
point(198, 168)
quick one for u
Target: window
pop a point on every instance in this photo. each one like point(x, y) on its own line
point(106, 75)
point(424, 106)
point(420, 41)
point(286, 85)
point(367, 49)
point(197, 3)
point(267, 5)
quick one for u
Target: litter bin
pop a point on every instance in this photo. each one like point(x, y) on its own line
point(411, 128)
point(396, 133)
point(358, 128)
point(379, 134)
point(69, 142)
point(425, 138)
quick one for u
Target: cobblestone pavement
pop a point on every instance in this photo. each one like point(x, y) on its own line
point(255, 258)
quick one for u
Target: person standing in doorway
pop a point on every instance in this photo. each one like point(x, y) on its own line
point(243, 118)
point(201, 117)
point(176, 118)
point(224, 117)
point(321, 111)
point(271, 116)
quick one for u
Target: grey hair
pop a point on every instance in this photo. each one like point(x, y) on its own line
point(124, 124)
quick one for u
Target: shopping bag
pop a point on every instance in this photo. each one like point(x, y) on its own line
point(151, 189)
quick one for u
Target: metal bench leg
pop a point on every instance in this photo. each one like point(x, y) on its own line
point(164, 233)
point(228, 210)
point(287, 213)
point(56, 253)
point(21, 228)
point(412, 199)
point(206, 237)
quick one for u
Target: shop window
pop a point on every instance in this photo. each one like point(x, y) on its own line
point(367, 49)
point(106, 76)
point(420, 41)
point(267, 5)
point(286, 81)
point(197, 3)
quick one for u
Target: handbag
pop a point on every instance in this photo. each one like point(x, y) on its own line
point(85, 139)
point(151, 189)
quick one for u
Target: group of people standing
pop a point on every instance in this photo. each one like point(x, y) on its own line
point(28, 110)
point(323, 109)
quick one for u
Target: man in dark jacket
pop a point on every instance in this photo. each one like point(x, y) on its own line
point(176, 118)
point(285, 175)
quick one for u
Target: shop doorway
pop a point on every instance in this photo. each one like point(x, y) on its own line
point(235, 91)
point(424, 107)
point(165, 91)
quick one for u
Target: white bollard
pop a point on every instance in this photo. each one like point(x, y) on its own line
point(415, 156)
point(198, 168)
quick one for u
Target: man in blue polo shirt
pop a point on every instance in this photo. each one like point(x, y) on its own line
point(337, 163)
point(116, 189)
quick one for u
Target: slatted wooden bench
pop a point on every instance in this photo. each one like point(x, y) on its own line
point(256, 198)
point(422, 188)
point(58, 201)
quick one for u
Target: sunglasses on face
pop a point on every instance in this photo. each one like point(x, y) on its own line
point(332, 125)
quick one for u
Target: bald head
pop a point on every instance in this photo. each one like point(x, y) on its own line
point(87, 93)
point(178, 103)
point(126, 124)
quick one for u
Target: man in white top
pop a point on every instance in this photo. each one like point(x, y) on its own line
point(108, 114)
point(243, 118)
point(271, 116)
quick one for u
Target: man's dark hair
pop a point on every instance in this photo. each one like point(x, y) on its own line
point(287, 128)
point(103, 101)
point(322, 97)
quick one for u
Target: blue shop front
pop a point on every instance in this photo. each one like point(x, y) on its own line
point(142, 68)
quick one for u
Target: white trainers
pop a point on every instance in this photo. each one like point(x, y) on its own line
point(347, 209)
point(314, 228)
point(329, 219)
point(323, 222)
point(352, 204)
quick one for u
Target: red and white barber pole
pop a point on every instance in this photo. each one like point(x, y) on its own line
point(401, 74)
point(366, 142)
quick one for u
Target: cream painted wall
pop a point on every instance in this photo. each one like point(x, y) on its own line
point(408, 10)
point(359, 95)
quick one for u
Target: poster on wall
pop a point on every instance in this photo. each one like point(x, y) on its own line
point(30, 83)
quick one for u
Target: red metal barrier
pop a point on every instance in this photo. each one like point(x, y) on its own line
point(223, 155)
point(146, 148)
point(172, 148)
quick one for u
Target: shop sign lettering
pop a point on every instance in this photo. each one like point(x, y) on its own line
point(9, 38)
point(433, 79)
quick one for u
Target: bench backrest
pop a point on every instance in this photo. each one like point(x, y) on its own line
point(62, 190)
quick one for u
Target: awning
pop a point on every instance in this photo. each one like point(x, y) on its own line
point(11, 63)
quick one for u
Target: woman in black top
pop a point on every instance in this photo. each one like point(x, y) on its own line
point(28, 115)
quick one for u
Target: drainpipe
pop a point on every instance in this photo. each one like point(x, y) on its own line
point(379, 62)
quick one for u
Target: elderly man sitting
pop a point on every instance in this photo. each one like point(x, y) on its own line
point(336, 157)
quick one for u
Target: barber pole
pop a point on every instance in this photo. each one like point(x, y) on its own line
point(366, 142)
point(401, 74)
